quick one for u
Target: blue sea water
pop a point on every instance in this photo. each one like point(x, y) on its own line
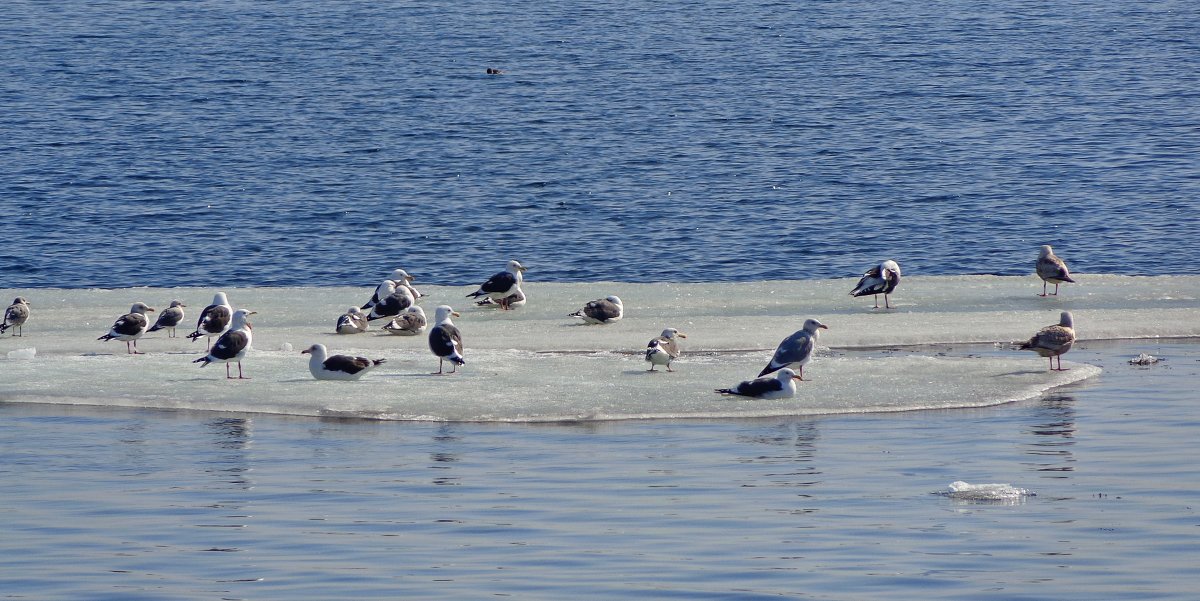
point(325, 143)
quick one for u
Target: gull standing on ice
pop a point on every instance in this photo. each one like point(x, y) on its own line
point(1052, 270)
point(399, 279)
point(395, 299)
point(232, 345)
point(1053, 341)
point(445, 340)
point(605, 310)
point(880, 279)
point(353, 322)
point(664, 349)
point(502, 285)
point(129, 327)
point(780, 386)
point(214, 319)
point(169, 318)
point(15, 316)
point(796, 350)
point(337, 367)
point(409, 323)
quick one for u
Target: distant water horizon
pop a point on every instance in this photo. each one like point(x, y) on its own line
point(302, 143)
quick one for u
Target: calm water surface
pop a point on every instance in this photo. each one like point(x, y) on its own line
point(300, 142)
point(114, 504)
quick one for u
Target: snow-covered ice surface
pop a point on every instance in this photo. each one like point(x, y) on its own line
point(537, 364)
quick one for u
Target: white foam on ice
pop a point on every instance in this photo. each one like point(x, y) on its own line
point(986, 493)
point(537, 364)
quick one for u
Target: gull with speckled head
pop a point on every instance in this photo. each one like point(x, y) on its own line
point(664, 349)
point(353, 321)
point(408, 323)
point(782, 385)
point(1054, 340)
point(15, 316)
point(502, 285)
point(796, 350)
point(606, 310)
point(1052, 270)
point(880, 279)
point(169, 318)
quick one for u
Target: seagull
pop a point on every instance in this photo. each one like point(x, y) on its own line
point(796, 350)
point(664, 349)
point(395, 299)
point(129, 327)
point(214, 319)
point(169, 318)
point(502, 285)
point(605, 310)
point(445, 340)
point(1053, 341)
point(399, 279)
point(512, 301)
point(881, 279)
point(231, 347)
point(15, 316)
point(353, 322)
point(337, 367)
point(780, 386)
point(1052, 270)
point(410, 322)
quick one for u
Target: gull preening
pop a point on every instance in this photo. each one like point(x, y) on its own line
point(445, 340)
point(782, 385)
point(606, 310)
point(796, 350)
point(502, 285)
point(232, 346)
point(1052, 270)
point(129, 327)
point(169, 318)
point(337, 367)
point(15, 316)
point(394, 300)
point(214, 319)
point(880, 279)
point(1054, 340)
point(353, 321)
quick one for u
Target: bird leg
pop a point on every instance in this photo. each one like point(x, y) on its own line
point(227, 375)
point(1043, 288)
point(1055, 293)
point(877, 300)
point(439, 371)
point(885, 302)
point(240, 376)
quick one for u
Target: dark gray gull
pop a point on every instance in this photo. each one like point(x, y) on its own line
point(396, 299)
point(1053, 341)
point(232, 346)
point(354, 321)
point(512, 301)
point(214, 319)
point(169, 318)
point(129, 327)
point(796, 350)
point(880, 279)
point(399, 279)
point(782, 385)
point(1052, 270)
point(664, 349)
point(605, 310)
point(408, 323)
point(502, 285)
point(15, 316)
point(338, 367)
point(445, 340)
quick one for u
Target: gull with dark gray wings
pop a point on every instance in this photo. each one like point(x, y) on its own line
point(214, 319)
point(337, 367)
point(502, 285)
point(880, 279)
point(606, 310)
point(232, 346)
point(782, 385)
point(445, 340)
point(169, 318)
point(796, 350)
point(129, 327)
point(1053, 341)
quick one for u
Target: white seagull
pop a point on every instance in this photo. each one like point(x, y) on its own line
point(337, 367)
point(796, 350)
point(1052, 270)
point(880, 279)
point(1053, 341)
point(502, 285)
point(15, 316)
point(664, 349)
point(169, 318)
point(231, 347)
point(606, 310)
point(782, 385)
point(445, 340)
point(408, 323)
point(129, 327)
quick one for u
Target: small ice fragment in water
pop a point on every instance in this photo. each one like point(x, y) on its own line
point(286, 347)
point(1144, 359)
point(22, 353)
point(986, 492)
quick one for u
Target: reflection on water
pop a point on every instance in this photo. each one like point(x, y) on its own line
point(445, 454)
point(231, 437)
point(791, 447)
point(1053, 430)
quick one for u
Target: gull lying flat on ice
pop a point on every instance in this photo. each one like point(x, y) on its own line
point(337, 367)
point(782, 385)
point(606, 310)
point(354, 321)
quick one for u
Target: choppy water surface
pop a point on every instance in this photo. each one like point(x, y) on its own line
point(142, 504)
point(218, 143)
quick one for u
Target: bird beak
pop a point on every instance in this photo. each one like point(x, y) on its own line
point(252, 313)
point(797, 378)
point(455, 314)
point(824, 327)
point(681, 335)
point(409, 278)
point(521, 268)
point(305, 352)
point(150, 309)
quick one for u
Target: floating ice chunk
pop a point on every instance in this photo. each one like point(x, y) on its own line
point(1144, 359)
point(22, 353)
point(964, 491)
